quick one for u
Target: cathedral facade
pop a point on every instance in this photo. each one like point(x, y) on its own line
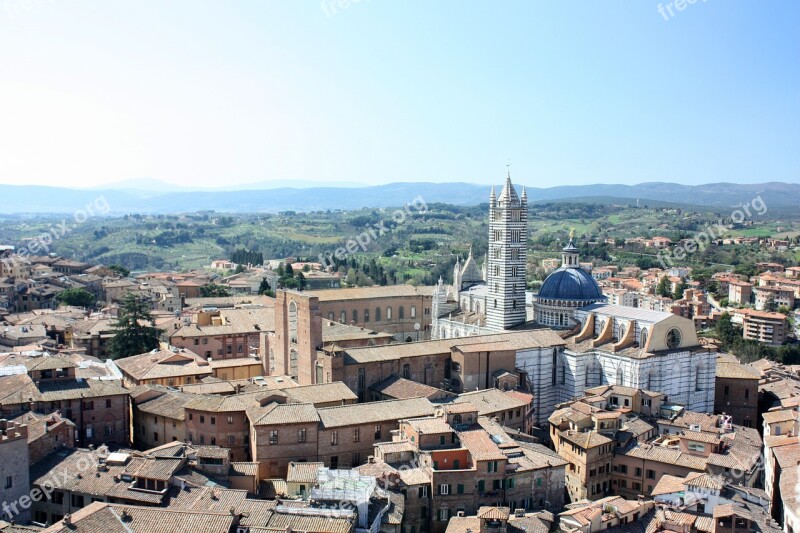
point(491, 299)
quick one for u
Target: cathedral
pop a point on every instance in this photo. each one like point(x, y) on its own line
point(491, 300)
point(603, 344)
point(494, 298)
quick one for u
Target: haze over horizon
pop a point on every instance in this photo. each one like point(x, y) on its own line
point(205, 95)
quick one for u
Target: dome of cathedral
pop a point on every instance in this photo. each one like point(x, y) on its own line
point(570, 283)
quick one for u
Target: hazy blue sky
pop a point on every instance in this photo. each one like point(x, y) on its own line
point(216, 93)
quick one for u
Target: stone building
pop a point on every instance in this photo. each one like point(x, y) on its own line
point(456, 365)
point(170, 367)
point(338, 436)
point(402, 310)
point(159, 416)
point(455, 462)
point(736, 391)
point(298, 337)
point(14, 477)
point(47, 433)
point(48, 384)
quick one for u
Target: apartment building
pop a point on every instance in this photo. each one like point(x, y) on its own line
point(781, 296)
point(739, 292)
point(764, 326)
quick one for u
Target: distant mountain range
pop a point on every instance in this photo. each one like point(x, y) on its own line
point(125, 198)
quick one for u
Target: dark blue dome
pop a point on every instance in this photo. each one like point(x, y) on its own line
point(570, 284)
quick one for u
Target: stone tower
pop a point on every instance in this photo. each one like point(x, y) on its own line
point(298, 336)
point(508, 237)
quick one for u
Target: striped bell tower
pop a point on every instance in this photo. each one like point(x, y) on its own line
point(508, 238)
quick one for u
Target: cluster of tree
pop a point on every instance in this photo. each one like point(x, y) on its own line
point(422, 244)
point(289, 279)
point(214, 290)
point(242, 256)
point(166, 238)
point(119, 270)
point(77, 297)
point(265, 288)
point(135, 333)
point(664, 288)
point(362, 272)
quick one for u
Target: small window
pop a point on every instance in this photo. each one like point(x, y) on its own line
point(273, 437)
point(301, 435)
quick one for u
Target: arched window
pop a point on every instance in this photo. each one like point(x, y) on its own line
point(456, 418)
point(389, 313)
point(355, 316)
point(643, 338)
point(343, 317)
point(477, 307)
point(620, 376)
point(673, 338)
point(593, 375)
point(563, 373)
point(401, 312)
point(698, 383)
point(621, 332)
point(377, 314)
point(653, 380)
point(292, 321)
point(366, 315)
point(407, 371)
